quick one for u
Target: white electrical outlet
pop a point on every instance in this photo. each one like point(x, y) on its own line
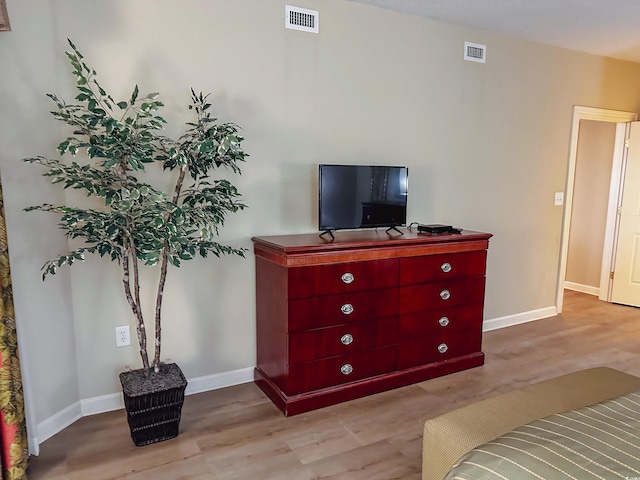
point(123, 336)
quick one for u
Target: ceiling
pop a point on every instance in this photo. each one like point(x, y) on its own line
point(602, 27)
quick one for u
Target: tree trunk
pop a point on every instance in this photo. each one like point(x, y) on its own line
point(135, 307)
point(163, 277)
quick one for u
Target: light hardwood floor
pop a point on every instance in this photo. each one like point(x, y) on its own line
point(236, 433)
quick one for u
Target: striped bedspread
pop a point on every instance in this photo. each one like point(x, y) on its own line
point(597, 442)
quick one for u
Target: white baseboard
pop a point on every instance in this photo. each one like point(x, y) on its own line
point(34, 446)
point(101, 404)
point(518, 318)
point(107, 403)
point(582, 288)
point(219, 380)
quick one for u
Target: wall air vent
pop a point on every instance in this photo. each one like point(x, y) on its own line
point(302, 19)
point(474, 52)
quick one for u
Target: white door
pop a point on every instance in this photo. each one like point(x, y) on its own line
point(626, 272)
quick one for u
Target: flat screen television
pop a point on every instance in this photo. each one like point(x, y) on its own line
point(362, 196)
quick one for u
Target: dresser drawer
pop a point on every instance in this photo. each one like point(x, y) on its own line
point(331, 310)
point(448, 320)
point(441, 294)
point(309, 376)
point(437, 348)
point(328, 342)
point(445, 266)
point(304, 282)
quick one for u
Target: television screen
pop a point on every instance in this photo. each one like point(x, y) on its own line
point(362, 196)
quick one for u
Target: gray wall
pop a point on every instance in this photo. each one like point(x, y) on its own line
point(486, 147)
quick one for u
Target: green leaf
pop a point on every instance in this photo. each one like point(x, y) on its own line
point(134, 95)
point(185, 255)
point(150, 258)
point(63, 147)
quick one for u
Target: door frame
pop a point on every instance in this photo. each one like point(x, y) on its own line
point(600, 115)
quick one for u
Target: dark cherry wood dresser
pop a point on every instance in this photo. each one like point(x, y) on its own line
point(365, 312)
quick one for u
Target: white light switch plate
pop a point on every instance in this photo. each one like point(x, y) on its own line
point(559, 198)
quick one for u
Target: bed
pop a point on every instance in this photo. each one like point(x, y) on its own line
point(498, 437)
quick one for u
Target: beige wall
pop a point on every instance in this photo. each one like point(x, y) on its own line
point(486, 147)
point(590, 201)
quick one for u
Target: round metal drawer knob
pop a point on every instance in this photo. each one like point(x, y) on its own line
point(347, 278)
point(347, 339)
point(346, 369)
point(446, 267)
point(442, 348)
point(445, 294)
point(444, 321)
point(347, 308)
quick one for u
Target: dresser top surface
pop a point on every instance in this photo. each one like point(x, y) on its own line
point(354, 239)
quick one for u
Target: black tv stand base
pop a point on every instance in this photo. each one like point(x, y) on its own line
point(330, 234)
point(393, 228)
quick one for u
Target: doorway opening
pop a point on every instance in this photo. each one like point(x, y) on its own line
point(600, 115)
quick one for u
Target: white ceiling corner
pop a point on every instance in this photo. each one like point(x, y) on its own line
point(609, 28)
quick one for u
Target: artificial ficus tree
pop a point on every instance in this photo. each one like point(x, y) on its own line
point(137, 224)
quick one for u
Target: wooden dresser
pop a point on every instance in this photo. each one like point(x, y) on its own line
point(366, 312)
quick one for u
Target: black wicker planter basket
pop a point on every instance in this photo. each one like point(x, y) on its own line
point(153, 402)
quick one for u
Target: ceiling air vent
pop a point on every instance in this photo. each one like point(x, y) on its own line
point(474, 52)
point(298, 18)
